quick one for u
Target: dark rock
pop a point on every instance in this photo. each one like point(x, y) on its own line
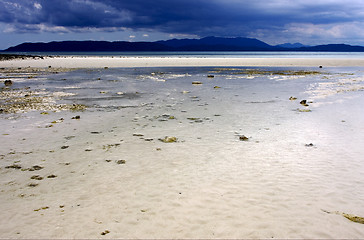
point(36, 177)
point(35, 168)
point(64, 147)
point(243, 138)
point(196, 83)
point(14, 166)
point(52, 176)
point(120, 161)
point(210, 76)
point(76, 117)
point(304, 103)
point(8, 83)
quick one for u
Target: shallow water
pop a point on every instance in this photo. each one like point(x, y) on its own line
point(298, 160)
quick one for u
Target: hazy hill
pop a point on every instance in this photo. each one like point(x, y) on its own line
point(203, 44)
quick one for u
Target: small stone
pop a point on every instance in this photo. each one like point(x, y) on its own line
point(32, 184)
point(216, 87)
point(138, 135)
point(304, 110)
point(309, 145)
point(168, 139)
point(8, 83)
point(292, 98)
point(36, 177)
point(76, 117)
point(52, 176)
point(105, 232)
point(64, 147)
point(120, 161)
point(210, 76)
point(35, 168)
point(14, 166)
point(196, 83)
point(304, 103)
point(243, 138)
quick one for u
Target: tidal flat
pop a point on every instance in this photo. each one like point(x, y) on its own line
point(182, 152)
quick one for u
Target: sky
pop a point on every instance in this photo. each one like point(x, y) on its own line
point(310, 22)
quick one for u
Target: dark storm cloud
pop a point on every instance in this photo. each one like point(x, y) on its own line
point(199, 17)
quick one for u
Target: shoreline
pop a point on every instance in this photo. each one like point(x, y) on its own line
point(129, 62)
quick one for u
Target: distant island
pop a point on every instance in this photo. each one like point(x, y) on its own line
point(178, 45)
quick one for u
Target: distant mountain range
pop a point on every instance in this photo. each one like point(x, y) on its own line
point(203, 44)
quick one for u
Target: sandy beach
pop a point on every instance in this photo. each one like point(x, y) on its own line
point(188, 148)
point(99, 62)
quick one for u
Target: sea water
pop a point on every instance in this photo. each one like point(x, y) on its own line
point(296, 163)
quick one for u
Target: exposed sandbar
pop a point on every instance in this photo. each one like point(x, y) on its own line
point(98, 62)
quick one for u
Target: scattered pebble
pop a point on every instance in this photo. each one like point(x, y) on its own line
point(138, 135)
point(196, 83)
point(52, 176)
point(36, 177)
point(120, 161)
point(14, 166)
point(105, 232)
point(292, 98)
point(243, 138)
point(303, 110)
point(8, 83)
point(35, 168)
point(76, 117)
point(168, 139)
point(64, 147)
point(304, 103)
point(42, 208)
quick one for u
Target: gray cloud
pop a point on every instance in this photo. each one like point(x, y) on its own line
point(194, 17)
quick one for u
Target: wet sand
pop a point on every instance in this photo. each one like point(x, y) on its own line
point(181, 152)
